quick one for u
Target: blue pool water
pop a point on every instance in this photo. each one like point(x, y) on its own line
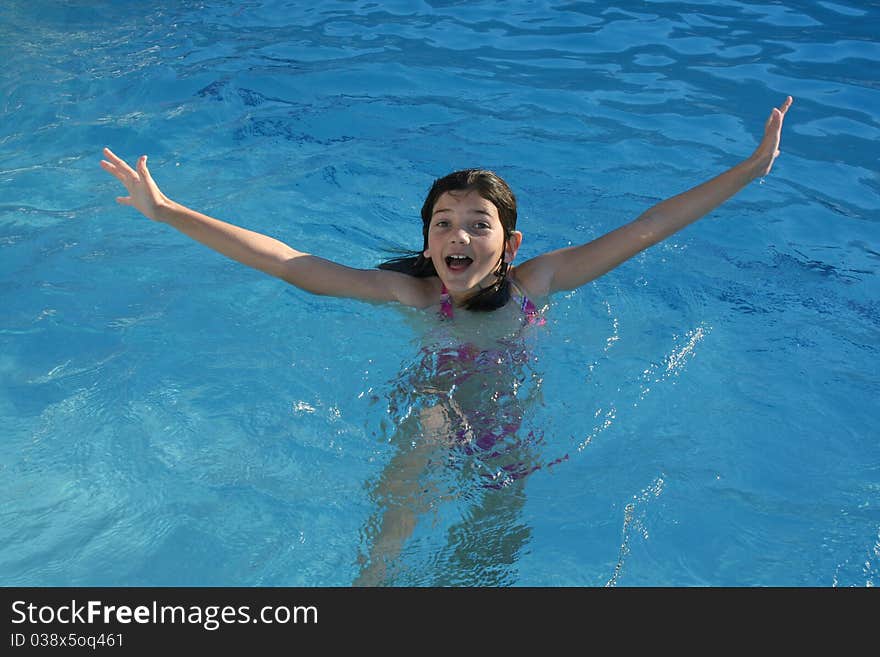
point(703, 415)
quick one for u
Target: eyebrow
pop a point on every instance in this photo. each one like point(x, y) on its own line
point(475, 211)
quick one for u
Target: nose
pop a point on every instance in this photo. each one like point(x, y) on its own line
point(459, 235)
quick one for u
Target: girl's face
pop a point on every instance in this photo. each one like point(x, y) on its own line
point(466, 242)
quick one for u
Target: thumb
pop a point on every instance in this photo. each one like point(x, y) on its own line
point(123, 200)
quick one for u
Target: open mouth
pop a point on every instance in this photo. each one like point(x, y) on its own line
point(458, 262)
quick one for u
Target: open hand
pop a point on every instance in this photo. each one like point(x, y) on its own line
point(143, 193)
point(768, 149)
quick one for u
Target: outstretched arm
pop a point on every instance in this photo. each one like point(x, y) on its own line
point(262, 252)
point(572, 267)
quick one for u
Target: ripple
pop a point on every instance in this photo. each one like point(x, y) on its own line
point(836, 52)
point(845, 10)
point(173, 417)
point(837, 126)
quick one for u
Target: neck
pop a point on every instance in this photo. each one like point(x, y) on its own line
point(461, 298)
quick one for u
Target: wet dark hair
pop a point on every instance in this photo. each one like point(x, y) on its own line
point(491, 187)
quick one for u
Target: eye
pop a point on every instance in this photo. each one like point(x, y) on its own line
point(442, 223)
point(482, 225)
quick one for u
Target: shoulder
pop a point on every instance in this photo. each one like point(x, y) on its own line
point(411, 290)
point(533, 277)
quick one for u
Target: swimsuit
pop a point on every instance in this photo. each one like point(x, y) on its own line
point(490, 435)
point(452, 359)
point(530, 311)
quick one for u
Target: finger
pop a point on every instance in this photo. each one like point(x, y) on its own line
point(785, 105)
point(110, 155)
point(127, 179)
point(123, 200)
point(118, 161)
point(143, 170)
point(113, 170)
point(773, 121)
point(110, 167)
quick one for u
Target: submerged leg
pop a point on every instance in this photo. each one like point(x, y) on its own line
point(484, 546)
point(401, 496)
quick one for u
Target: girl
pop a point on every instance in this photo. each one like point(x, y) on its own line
point(470, 239)
point(459, 410)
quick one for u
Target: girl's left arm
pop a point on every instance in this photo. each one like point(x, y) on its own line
point(572, 267)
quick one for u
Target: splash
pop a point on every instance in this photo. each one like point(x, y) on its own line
point(633, 523)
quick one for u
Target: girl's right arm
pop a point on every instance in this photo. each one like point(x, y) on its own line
point(308, 272)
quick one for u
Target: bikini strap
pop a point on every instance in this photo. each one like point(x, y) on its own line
point(528, 308)
point(445, 302)
point(532, 315)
